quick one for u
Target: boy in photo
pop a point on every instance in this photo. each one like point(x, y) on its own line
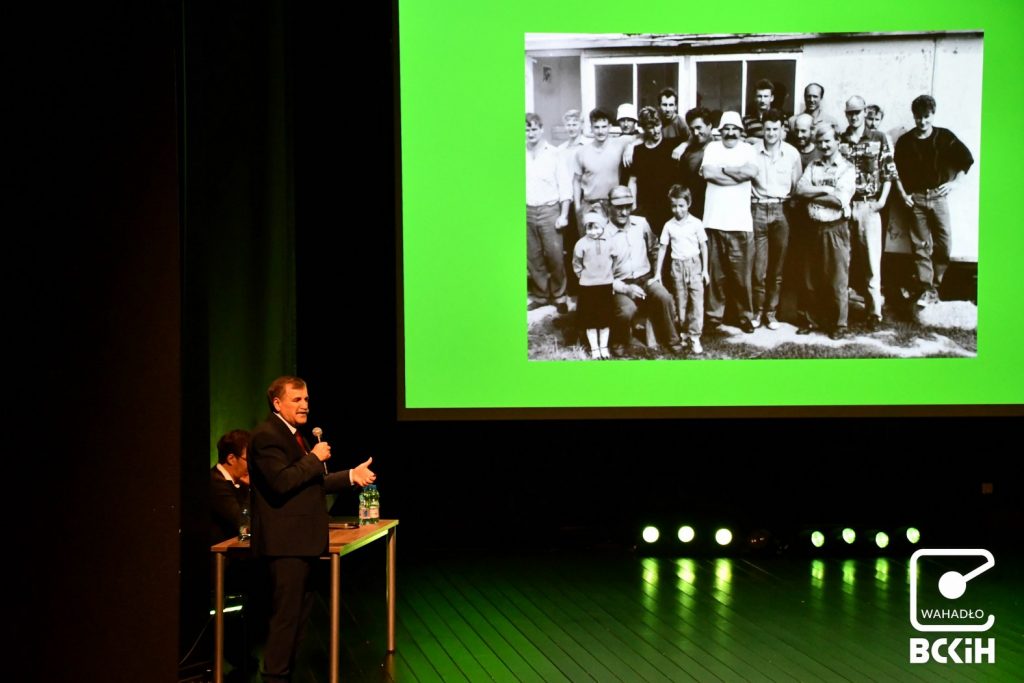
point(684, 235)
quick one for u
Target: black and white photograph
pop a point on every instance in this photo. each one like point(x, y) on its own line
point(752, 196)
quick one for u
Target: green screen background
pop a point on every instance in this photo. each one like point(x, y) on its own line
point(462, 88)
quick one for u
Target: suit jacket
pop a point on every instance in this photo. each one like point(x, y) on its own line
point(289, 487)
point(226, 503)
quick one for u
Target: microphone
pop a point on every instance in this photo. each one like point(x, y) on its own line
point(317, 432)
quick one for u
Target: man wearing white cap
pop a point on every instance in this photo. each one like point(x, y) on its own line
point(728, 167)
point(626, 118)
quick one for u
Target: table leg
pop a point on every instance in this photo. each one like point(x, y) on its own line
point(218, 620)
point(392, 594)
point(335, 615)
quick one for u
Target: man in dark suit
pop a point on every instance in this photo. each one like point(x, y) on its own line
point(229, 485)
point(290, 522)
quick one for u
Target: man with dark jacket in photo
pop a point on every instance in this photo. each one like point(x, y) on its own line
point(930, 161)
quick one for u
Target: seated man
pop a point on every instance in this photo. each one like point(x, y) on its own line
point(229, 485)
point(229, 494)
point(634, 290)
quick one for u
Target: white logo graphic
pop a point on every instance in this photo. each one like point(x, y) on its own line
point(952, 585)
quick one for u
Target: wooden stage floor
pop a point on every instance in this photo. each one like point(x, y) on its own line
point(583, 616)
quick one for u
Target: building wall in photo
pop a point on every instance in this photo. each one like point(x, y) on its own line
point(891, 73)
point(556, 89)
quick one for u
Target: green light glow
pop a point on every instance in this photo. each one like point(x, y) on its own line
point(723, 570)
point(723, 584)
point(882, 539)
point(686, 570)
point(817, 585)
point(649, 584)
point(849, 535)
point(913, 535)
point(723, 537)
point(651, 534)
point(650, 570)
point(817, 539)
point(686, 534)
point(236, 608)
point(882, 571)
point(849, 571)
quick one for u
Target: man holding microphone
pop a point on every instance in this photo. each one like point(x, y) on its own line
point(289, 520)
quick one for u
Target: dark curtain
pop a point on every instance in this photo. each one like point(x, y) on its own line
point(239, 249)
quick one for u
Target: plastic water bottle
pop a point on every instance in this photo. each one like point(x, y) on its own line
point(364, 507)
point(373, 503)
point(244, 525)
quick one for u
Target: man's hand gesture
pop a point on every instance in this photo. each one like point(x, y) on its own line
point(361, 475)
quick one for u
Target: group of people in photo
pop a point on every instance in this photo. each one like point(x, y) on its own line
point(687, 221)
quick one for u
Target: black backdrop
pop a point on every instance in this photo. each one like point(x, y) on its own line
point(92, 474)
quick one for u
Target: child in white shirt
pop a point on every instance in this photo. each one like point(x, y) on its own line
point(684, 238)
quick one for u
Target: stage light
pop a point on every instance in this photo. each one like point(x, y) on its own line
point(849, 535)
point(651, 534)
point(723, 536)
point(913, 535)
point(686, 534)
point(882, 539)
point(817, 539)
